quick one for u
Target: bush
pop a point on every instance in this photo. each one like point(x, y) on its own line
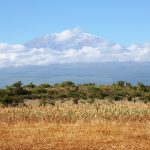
point(67, 84)
point(16, 89)
point(11, 100)
point(117, 95)
point(94, 92)
point(30, 85)
point(15, 94)
point(45, 85)
point(121, 83)
point(2, 92)
point(39, 90)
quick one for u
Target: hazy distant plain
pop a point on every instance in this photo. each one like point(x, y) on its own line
point(99, 73)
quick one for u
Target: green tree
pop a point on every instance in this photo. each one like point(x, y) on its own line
point(45, 85)
point(67, 84)
point(11, 100)
point(121, 83)
point(30, 85)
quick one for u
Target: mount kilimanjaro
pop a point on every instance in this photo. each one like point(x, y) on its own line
point(73, 55)
point(69, 39)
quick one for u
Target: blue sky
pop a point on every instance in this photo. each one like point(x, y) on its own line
point(120, 21)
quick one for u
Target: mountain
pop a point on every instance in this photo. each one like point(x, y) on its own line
point(68, 39)
point(73, 55)
point(70, 46)
point(100, 73)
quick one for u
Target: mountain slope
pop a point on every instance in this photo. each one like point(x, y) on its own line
point(68, 39)
point(70, 46)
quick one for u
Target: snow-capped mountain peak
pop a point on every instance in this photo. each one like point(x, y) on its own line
point(68, 39)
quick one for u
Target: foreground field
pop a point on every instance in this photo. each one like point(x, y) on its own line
point(118, 126)
point(106, 136)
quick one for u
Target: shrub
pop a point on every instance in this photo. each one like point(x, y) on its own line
point(30, 85)
point(67, 84)
point(94, 92)
point(11, 100)
point(117, 95)
point(16, 89)
point(121, 83)
point(39, 90)
point(2, 92)
point(45, 85)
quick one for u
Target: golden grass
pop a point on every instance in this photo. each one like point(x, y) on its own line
point(118, 126)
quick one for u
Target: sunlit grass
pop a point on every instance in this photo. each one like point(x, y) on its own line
point(70, 113)
point(104, 125)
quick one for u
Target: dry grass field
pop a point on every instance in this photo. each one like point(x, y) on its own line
point(65, 126)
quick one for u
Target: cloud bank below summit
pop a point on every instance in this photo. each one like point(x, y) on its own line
point(70, 46)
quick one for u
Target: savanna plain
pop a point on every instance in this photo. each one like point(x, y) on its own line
point(75, 117)
point(98, 126)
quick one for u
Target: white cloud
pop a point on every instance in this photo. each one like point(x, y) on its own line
point(12, 55)
point(66, 35)
point(96, 51)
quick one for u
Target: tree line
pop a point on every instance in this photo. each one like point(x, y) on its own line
point(17, 93)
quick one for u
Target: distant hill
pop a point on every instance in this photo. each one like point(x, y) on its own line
point(100, 73)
